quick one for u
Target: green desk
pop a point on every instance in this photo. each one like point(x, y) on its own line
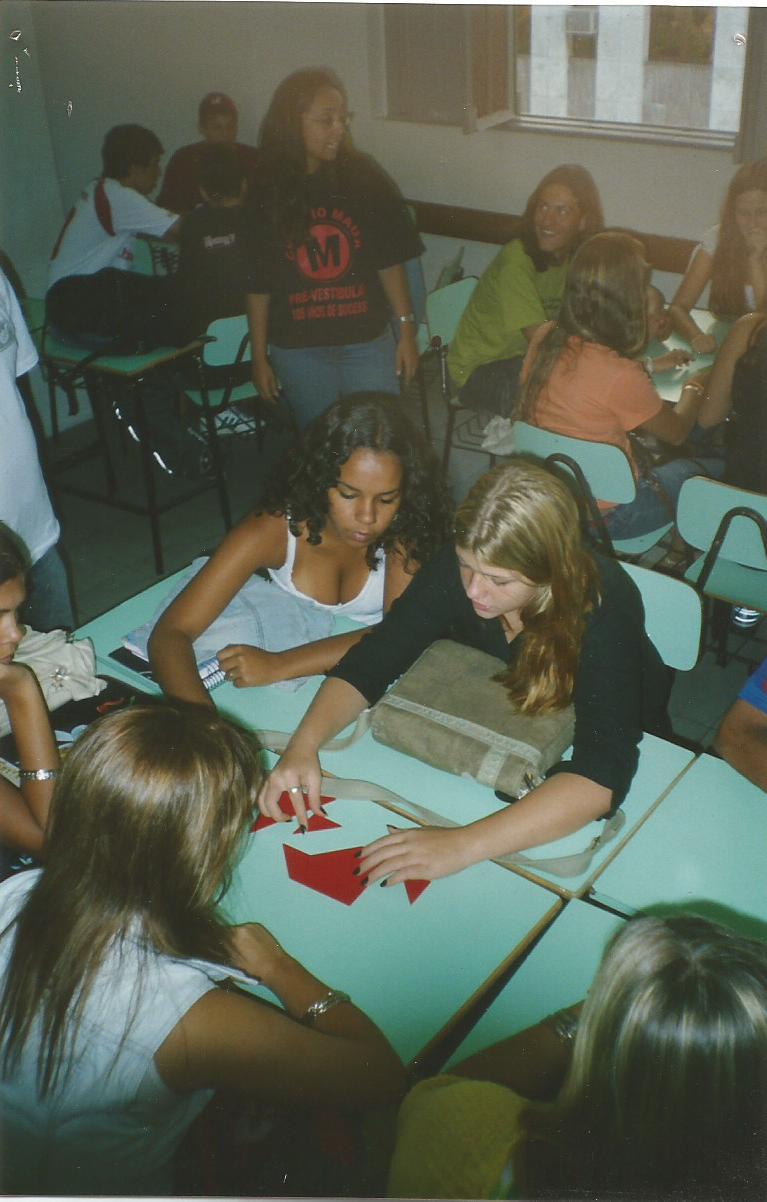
point(557, 973)
point(670, 383)
point(705, 843)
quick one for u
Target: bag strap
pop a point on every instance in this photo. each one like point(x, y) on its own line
point(352, 789)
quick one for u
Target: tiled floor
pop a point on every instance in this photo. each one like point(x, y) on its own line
point(110, 554)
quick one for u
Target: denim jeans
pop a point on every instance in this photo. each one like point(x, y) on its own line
point(49, 602)
point(647, 511)
point(314, 377)
point(493, 386)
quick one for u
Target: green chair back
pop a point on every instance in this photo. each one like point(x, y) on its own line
point(227, 334)
point(606, 468)
point(673, 615)
point(702, 505)
point(445, 306)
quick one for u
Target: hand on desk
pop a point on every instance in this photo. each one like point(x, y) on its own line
point(703, 344)
point(671, 360)
point(299, 775)
point(247, 666)
point(420, 855)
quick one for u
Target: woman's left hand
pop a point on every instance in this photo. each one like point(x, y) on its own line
point(406, 361)
point(247, 666)
point(407, 855)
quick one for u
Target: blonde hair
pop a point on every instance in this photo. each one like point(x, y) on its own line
point(604, 302)
point(522, 518)
point(148, 814)
point(666, 1095)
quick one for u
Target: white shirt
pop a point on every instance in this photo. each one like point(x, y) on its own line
point(24, 502)
point(98, 230)
point(112, 1125)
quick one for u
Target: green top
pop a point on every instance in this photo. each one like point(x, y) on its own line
point(511, 296)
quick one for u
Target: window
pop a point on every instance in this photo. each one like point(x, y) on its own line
point(635, 70)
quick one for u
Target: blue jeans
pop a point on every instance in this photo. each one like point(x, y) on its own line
point(647, 511)
point(314, 377)
point(49, 603)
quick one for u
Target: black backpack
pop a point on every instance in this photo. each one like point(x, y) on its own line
point(746, 430)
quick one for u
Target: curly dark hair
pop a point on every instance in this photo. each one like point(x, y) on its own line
point(282, 166)
point(583, 188)
point(372, 421)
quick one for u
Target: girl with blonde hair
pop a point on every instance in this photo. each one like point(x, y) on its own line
point(582, 378)
point(569, 625)
point(732, 256)
point(663, 1079)
point(113, 1028)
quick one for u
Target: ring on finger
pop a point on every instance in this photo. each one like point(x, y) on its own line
point(295, 789)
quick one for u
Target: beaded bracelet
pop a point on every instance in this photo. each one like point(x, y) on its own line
point(38, 773)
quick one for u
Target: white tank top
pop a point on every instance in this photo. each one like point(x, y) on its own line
point(366, 608)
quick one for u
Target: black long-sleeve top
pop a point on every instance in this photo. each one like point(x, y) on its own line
point(621, 687)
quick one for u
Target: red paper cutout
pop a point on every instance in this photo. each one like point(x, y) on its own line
point(330, 873)
point(315, 821)
point(414, 889)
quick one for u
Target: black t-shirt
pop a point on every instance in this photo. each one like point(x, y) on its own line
point(621, 686)
point(214, 257)
point(327, 291)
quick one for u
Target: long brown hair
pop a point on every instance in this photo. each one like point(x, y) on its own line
point(605, 301)
point(581, 184)
point(149, 811)
point(522, 518)
point(666, 1093)
point(728, 269)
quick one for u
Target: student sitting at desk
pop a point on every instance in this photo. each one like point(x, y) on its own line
point(217, 121)
point(581, 378)
point(23, 809)
point(732, 256)
point(343, 527)
point(113, 1028)
point(92, 293)
point(664, 1077)
point(519, 585)
point(522, 288)
point(742, 735)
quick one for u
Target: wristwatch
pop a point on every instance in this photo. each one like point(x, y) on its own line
point(407, 318)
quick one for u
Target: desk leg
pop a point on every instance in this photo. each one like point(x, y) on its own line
point(213, 446)
point(98, 400)
point(147, 463)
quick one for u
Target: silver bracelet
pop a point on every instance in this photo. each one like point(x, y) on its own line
point(38, 773)
point(695, 386)
point(407, 318)
point(334, 997)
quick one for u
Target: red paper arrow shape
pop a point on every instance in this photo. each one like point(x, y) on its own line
point(315, 821)
point(331, 873)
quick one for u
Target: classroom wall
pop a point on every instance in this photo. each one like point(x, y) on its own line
point(151, 62)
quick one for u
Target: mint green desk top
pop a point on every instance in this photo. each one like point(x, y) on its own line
point(706, 841)
point(411, 965)
point(557, 973)
point(126, 366)
point(670, 383)
point(452, 797)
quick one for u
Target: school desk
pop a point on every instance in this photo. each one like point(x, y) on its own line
point(670, 383)
point(412, 956)
point(705, 843)
point(556, 973)
point(451, 798)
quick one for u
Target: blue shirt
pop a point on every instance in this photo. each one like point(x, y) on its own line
point(754, 691)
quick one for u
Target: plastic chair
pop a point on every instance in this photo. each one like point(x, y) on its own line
point(673, 615)
point(444, 309)
point(729, 526)
point(597, 468)
point(228, 345)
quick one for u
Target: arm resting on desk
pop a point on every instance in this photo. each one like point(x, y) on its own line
point(742, 741)
point(533, 1062)
point(686, 297)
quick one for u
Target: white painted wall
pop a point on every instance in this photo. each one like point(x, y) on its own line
point(150, 62)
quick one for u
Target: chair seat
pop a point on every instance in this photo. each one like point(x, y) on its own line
point(732, 582)
point(642, 542)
